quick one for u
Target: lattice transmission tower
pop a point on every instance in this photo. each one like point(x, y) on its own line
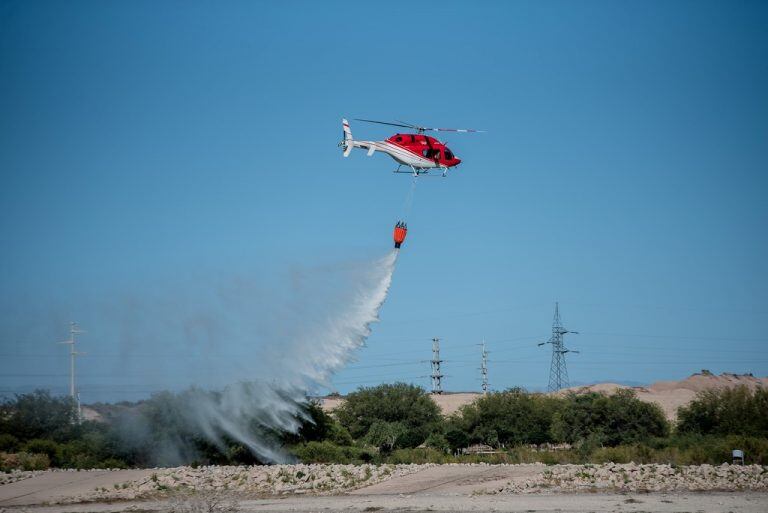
point(484, 368)
point(558, 372)
point(437, 376)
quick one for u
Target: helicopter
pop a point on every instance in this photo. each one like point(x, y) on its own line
point(421, 153)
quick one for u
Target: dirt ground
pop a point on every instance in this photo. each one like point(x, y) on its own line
point(444, 488)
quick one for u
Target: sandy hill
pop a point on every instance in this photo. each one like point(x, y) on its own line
point(669, 395)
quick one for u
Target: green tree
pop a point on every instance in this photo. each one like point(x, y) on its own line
point(8, 442)
point(438, 441)
point(511, 417)
point(385, 435)
point(456, 438)
point(728, 411)
point(39, 415)
point(315, 425)
point(619, 418)
point(397, 403)
point(47, 447)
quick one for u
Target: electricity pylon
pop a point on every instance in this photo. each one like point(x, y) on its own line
point(437, 376)
point(74, 330)
point(558, 372)
point(484, 368)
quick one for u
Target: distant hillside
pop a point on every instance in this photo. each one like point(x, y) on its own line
point(670, 395)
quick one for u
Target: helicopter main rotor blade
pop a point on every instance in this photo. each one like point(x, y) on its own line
point(465, 130)
point(385, 123)
point(419, 128)
point(435, 129)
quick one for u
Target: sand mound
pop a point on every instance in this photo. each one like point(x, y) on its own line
point(670, 395)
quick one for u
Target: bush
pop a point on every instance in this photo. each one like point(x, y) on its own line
point(47, 447)
point(316, 425)
point(398, 403)
point(34, 461)
point(439, 442)
point(418, 456)
point(328, 452)
point(23, 461)
point(39, 415)
point(319, 452)
point(8, 442)
point(113, 463)
point(385, 435)
point(457, 439)
point(340, 435)
point(512, 417)
point(620, 418)
point(728, 411)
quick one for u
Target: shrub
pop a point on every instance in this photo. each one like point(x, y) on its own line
point(438, 441)
point(511, 417)
point(8, 442)
point(340, 435)
point(47, 447)
point(29, 461)
point(728, 411)
point(320, 452)
point(620, 418)
point(39, 415)
point(385, 435)
point(419, 456)
point(397, 403)
point(456, 438)
point(113, 463)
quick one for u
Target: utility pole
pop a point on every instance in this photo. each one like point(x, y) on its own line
point(437, 376)
point(558, 372)
point(74, 330)
point(484, 368)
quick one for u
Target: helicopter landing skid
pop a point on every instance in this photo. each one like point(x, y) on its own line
point(416, 172)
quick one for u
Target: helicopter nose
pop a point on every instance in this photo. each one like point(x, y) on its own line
point(458, 161)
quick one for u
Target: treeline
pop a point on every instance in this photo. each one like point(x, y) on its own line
point(399, 423)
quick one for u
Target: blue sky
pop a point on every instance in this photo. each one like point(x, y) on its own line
point(152, 151)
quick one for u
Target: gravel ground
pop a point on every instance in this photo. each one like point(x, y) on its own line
point(632, 477)
point(257, 480)
point(17, 475)
point(505, 482)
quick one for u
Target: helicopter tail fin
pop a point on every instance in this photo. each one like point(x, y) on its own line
point(346, 144)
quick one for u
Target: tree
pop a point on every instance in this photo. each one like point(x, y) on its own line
point(729, 411)
point(316, 425)
point(457, 439)
point(438, 441)
point(615, 419)
point(384, 435)
point(510, 417)
point(407, 404)
point(39, 415)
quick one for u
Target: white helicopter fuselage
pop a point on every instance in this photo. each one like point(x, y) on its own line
point(401, 155)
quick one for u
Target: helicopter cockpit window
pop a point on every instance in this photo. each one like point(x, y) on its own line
point(399, 139)
point(448, 154)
